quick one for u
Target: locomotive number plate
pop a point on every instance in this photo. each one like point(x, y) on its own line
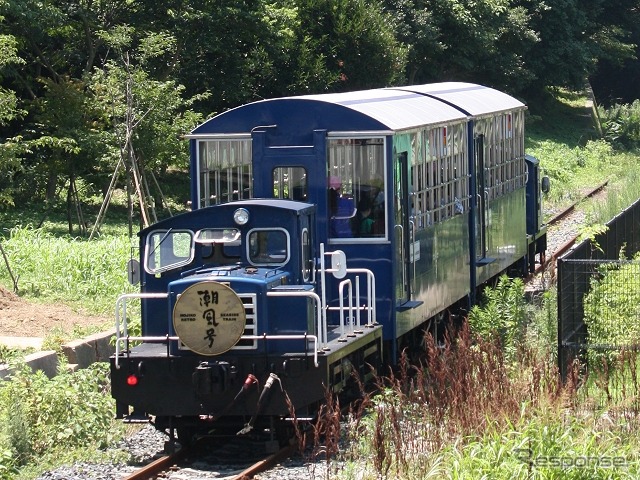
point(209, 318)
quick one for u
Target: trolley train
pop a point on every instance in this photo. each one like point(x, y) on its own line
point(324, 231)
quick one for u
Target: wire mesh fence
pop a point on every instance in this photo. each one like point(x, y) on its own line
point(599, 296)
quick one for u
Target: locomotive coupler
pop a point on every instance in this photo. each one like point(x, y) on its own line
point(213, 377)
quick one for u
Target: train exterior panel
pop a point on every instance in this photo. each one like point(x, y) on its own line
point(324, 230)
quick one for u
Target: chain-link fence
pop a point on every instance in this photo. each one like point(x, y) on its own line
point(599, 294)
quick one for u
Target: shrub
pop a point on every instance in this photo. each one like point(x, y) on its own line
point(45, 417)
point(612, 310)
point(621, 124)
point(502, 313)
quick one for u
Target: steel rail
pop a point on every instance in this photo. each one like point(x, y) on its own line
point(573, 206)
point(166, 462)
point(152, 469)
point(262, 465)
point(569, 243)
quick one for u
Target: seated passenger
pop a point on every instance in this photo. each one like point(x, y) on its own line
point(365, 222)
point(341, 210)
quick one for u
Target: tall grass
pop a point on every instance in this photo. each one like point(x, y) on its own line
point(490, 404)
point(572, 170)
point(86, 274)
point(620, 195)
point(464, 413)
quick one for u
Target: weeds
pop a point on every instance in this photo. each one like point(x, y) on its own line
point(490, 404)
point(45, 421)
point(463, 414)
point(502, 313)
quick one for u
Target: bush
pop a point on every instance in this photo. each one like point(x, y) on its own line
point(502, 313)
point(45, 417)
point(612, 310)
point(621, 125)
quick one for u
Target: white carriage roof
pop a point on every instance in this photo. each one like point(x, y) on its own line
point(398, 110)
point(392, 109)
point(476, 100)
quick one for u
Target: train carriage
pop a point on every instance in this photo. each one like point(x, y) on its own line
point(327, 228)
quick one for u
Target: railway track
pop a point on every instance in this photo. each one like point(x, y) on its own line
point(187, 462)
point(565, 237)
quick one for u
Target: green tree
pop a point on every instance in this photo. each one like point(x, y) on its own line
point(59, 44)
point(357, 41)
point(141, 119)
point(220, 47)
point(575, 35)
point(619, 62)
point(10, 148)
point(482, 42)
point(417, 29)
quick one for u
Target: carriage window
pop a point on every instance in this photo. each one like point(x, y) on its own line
point(168, 249)
point(504, 153)
point(356, 187)
point(439, 174)
point(224, 170)
point(290, 183)
point(267, 247)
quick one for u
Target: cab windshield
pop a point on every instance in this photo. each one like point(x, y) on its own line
point(168, 249)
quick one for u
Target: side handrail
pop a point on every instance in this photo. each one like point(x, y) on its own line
point(321, 325)
point(370, 306)
point(348, 284)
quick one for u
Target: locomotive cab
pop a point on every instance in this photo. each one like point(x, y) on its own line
point(228, 307)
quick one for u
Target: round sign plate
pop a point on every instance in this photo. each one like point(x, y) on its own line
point(209, 318)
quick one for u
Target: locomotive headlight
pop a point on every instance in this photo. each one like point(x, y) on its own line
point(241, 216)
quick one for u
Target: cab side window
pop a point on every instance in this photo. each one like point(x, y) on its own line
point(268, 247)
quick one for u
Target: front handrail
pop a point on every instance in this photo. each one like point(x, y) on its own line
point(321, 326)
point(122, 331)
point(121, 304)
point(123, 338)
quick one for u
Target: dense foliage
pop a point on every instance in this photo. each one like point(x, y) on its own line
point(43, 421)
point(86, 85)
point(612, 309)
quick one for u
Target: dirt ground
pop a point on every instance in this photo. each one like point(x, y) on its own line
point(21, 318)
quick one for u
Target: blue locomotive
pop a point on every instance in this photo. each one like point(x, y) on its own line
point(325, 231)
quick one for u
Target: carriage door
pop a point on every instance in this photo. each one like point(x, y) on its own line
point(404, 233)
point(287, 171)
point(482, 197)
